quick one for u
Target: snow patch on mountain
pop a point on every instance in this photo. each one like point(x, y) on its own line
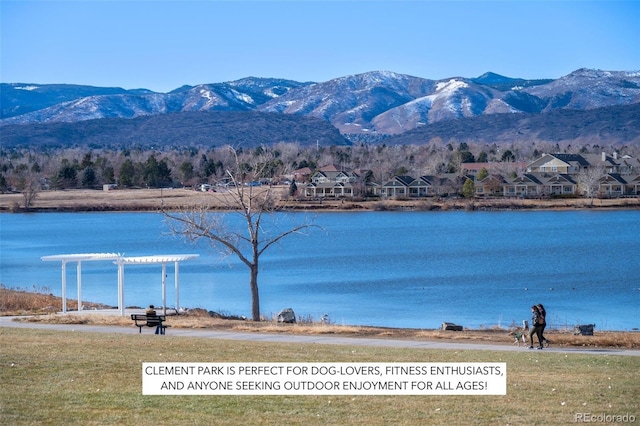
point(448, 87)
point(271, 93)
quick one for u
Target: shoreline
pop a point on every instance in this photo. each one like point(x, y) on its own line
point(150, 200)
point(41, 308)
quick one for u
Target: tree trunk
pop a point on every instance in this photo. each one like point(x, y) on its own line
point(255, 295)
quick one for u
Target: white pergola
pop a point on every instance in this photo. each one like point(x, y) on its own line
point(120, 261)
point(163, 259)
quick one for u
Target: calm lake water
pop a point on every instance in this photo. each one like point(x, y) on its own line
point(396, 269)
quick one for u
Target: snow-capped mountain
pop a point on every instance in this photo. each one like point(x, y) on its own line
point(241, 95)
point(454, 98)
point(378, 102)
point(351, 103)
point(588, 89)
point(18, 98)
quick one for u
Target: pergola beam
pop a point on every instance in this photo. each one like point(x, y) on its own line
point(120, 261)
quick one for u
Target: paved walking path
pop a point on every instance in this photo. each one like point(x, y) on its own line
point(317, 339)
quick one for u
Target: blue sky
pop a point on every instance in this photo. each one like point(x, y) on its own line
point(161, 45)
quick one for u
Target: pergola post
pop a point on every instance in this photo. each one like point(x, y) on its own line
point(176, 284)
point(164, 288)
point(120, 286)
point(119, 260)
point(79, 279)
point(64, 287)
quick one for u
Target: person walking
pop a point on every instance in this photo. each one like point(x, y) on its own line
point(535, 327)
point(543, 313)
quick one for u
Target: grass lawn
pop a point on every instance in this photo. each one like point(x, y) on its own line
point(53, 377)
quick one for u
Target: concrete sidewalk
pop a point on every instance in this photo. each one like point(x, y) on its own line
point(313, 339)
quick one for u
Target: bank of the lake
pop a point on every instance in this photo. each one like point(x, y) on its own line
point(123, 200)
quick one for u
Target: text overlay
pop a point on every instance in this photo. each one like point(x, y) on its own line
point(322, 378)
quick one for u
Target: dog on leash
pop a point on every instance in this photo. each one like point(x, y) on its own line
point(517, 336)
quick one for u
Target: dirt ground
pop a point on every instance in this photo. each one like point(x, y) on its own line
point(42, 307)
point(156, 199)
point(498, 336)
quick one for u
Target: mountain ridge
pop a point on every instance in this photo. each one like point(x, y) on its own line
point(381, 102)
point(176, 130)
point(371, 107)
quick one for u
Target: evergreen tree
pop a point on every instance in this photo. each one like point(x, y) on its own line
point(127, 173)
point(88, 177)
point(186, 169)
point(67, 176)
point(156, 173)
point(483, 173)
point(293, 188)
point(468, 189)
point(508, 156)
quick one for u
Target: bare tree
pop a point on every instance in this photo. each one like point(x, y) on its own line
point(28, 183)
point(252, 203)
point(30, 190)
point(588, 180)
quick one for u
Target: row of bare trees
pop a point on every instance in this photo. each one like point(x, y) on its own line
point(28, 170)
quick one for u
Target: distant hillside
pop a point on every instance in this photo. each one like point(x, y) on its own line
point(19, 98)
point(586, 105)
point(611, 125)
point(504, 84)
point(380, 102)
point(239, 129)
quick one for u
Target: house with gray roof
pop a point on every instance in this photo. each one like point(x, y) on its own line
point(612, 185)
point(398, 186)
point(524, 186)
point(491, 186)
point(421, 187)
point(559, 184)
point(549, 175)
point(558, 163)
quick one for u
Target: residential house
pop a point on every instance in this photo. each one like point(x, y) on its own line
point(550, 175)
point(524, 186)
point(558, 163)
point(491, 186)
point(421, 187)
point(612, 185)
point(633, 185)
point(628, 165)
point(492, 168)
point(398, 186)
point(328, 189)
point(301, 175)
point(560, 184)
point(604, 162)
point(331, 183)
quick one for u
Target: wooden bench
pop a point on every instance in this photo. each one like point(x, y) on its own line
point(144, 320)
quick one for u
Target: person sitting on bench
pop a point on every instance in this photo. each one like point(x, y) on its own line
point(151, 311)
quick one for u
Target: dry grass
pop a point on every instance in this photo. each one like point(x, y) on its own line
point(36, 301)
point(44, 306)
point(155, 199)
point(65, 377)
